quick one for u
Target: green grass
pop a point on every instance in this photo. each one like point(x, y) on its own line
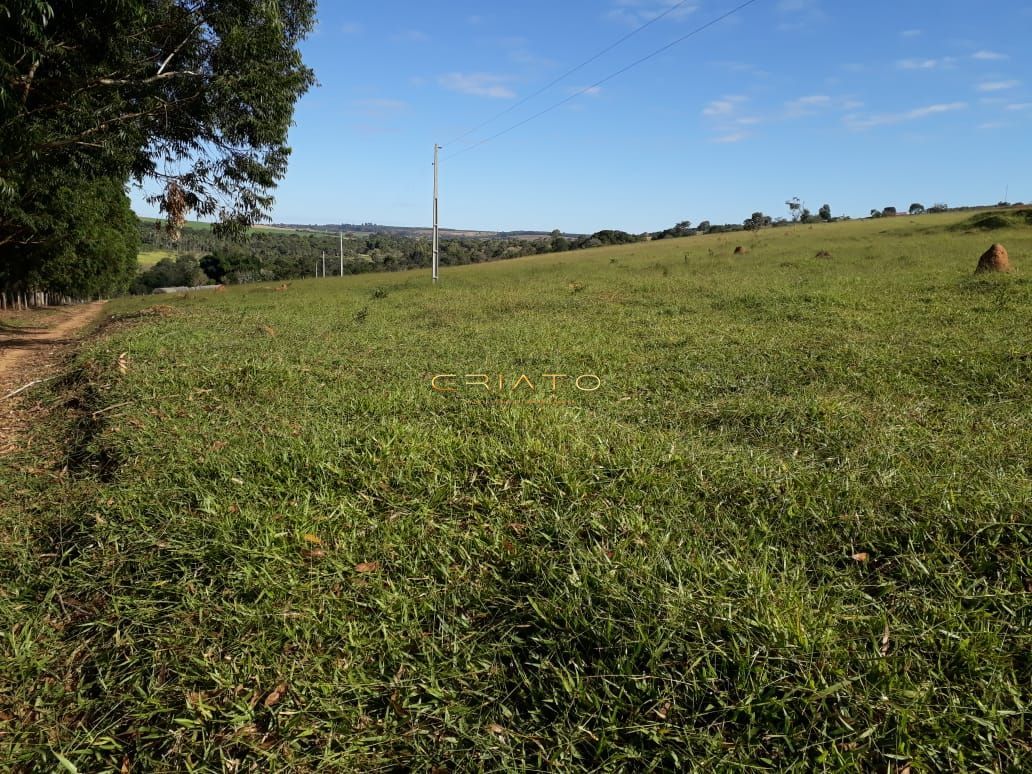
point(148, 258)
point(995, 220)
point(193, 225)
point(12, 321)
point(791, 530)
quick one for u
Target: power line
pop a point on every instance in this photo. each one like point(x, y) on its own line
point(610, 77)
point(568, 73)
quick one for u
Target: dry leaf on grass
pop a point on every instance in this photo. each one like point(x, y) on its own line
point(367, 567)
point(885, 641)
point(123, 362)
point(395, 701)
point(275, 695)
point(862, 556)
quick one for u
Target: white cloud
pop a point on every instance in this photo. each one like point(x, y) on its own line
point(411, 36)
point(884, 119)
point(795, 6)
point(816, 99)
point(816, 104)
point(912, 33)
point(934, 109)
point(478, 84)
point(743, 68)
point(634, 13)
point(993, 125)
point(722, 108)
point(799, 14)
point(378, 107)
point(1020, 106)
point(352, 28)
point(998, 85)
point(807, 106)
point(989, 56)
point(926, 64)
point(731, 138)
point(528, 58)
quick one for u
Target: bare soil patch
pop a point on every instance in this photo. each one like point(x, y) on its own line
point(31, 347)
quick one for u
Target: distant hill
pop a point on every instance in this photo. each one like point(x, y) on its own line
point(413, 232)
point(417, 231)
point(193, 225)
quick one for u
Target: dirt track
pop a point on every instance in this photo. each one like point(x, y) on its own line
point(31, 353)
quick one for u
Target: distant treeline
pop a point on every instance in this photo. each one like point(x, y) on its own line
point(270, 255)
point(266, 255)
point(281, 255)
point(414, 231)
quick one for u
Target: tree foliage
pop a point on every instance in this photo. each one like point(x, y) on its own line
point(84, 241)
point(757, 221)
point(795, 208)
point(182, 271)
point(196, 94)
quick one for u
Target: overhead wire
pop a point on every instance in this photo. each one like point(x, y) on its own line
point(568, 73)
point(611, 76)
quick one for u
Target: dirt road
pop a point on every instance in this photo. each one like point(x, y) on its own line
point(31, 353)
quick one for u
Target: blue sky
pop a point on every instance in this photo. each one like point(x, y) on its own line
point(859, 105)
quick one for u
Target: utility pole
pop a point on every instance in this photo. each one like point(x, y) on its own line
point(324, 264)
point(342, 253)
point(437, 244)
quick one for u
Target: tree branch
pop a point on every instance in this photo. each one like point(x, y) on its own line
point(145, 81)
point(178, 48)
point(28, 80)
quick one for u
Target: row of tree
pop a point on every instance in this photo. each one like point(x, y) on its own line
point(203, 256)
point(915, 209)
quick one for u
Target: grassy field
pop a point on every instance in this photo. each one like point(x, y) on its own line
point(790, 529)
point(193, 225)
point(148, 258)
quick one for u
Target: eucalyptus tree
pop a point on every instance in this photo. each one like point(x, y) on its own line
point(195, 94)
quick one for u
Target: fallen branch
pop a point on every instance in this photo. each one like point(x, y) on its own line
point(96, 414)
point(25, 387)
